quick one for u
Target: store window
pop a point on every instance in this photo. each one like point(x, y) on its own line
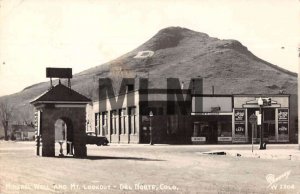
point(225, 129)
point(213, 128)
point(269, 123)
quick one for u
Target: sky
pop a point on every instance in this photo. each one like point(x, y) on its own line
point(80, 34)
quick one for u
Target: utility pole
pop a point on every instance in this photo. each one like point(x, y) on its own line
point(260, 103)
point(151, 130)
point(253, 121)
point(298, 100)
point(261, 147)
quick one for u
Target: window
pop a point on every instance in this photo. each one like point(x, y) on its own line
point(269, 129)
point(132, 120)
point(113, 122)
point(225, 129)
point(269, 123)
point(104, 123)
point(130, 87)
point(269, 114)
point(122, 121)
point(97, 124)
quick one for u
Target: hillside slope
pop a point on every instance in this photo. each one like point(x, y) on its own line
point(181, 53)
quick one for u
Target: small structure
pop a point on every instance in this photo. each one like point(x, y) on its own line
point(22, 132)
point(61, 103)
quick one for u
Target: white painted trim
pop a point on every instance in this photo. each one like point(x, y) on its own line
point(70, 105)
point(198, 139)
point(257, 106)
point(211, 114)
point(276, 124)
point(233, 124)
point(246, 122)
point(39, 123)
point(224, 139)
point(63, 102)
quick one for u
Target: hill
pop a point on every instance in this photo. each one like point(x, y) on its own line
point(180, 53)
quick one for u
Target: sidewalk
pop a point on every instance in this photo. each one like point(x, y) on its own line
point(284, 152)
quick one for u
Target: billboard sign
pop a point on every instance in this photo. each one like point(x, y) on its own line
point(58, 72)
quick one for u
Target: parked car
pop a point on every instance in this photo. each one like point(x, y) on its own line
point(98, 140)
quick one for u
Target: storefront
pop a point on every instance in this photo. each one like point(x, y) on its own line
point(212, 128)
point(274, 120)
point(225, 118)
point(212, 118)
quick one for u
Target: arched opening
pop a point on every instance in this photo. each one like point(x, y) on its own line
point(63, 137)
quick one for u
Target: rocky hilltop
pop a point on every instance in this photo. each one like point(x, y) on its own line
point(179, 53)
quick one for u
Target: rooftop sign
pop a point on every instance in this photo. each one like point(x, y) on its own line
point(59, 72)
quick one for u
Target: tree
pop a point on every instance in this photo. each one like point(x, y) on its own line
point(5, 116)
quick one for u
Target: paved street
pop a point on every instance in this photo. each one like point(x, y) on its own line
point(149, 169)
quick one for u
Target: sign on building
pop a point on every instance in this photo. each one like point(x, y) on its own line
point(239, 122)
point(283, 124)
point(239, 115)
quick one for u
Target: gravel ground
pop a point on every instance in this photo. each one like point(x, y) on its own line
point(150, 169)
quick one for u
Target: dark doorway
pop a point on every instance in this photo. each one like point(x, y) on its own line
point(268, 122)
point(213, 135)
point(209, 130)
point(214, 126)
point(145, 132)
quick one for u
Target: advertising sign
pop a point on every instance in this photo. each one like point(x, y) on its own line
point(283, 114)
point(37, 123)
point(59, 72)
point(239, 124)
point(239, 115)
point(201, 139)
point(239, 139)
point(283, 128)
point(283, 124)
point(224, 138)
point(239, 129)
point(259, 119)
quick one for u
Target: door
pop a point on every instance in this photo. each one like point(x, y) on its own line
point(212, 133)
point(145, 133)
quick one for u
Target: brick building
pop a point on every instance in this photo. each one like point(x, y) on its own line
point(190, 119)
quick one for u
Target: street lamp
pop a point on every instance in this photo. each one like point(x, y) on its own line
point(151, 132)
point(260, 102)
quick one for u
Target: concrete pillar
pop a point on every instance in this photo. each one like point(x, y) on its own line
point(48, 145)
point(276, 124)
point(298, 97)
point(127, 124)
point(118, 123)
